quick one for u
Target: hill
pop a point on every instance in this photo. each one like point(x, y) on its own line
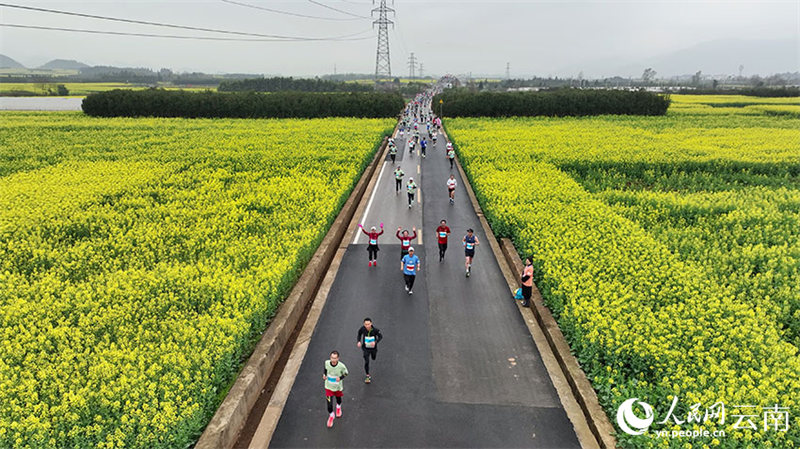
point(8, 63)
point(64, 64)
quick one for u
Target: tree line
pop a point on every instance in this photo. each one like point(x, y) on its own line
point(557, 103)
point(164, 103)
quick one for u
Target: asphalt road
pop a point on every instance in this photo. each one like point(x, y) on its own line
point(457, 366)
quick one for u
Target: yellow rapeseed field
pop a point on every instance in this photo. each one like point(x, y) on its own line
point(669, 250)
point(140, 259)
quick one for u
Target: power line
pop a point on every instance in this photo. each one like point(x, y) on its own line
point(338, 10)
point(143, 22)
point(170, 36)
point(277, 11)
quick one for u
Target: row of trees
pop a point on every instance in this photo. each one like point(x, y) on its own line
point(753, 92)
point(557, 103)
point(279, 84)
point(164, 103)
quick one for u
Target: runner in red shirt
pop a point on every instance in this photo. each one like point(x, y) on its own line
point(372, 247)
point(405, 240)
point(442, 232)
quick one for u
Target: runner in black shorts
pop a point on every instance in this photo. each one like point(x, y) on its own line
point(442, 232)
point(368, 339)
point(470, 241)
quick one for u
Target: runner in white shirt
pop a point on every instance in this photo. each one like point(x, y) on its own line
point(451, 188)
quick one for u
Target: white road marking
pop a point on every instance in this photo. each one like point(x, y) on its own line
point(369, 204)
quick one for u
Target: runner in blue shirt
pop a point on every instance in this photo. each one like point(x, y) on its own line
point(410, 265)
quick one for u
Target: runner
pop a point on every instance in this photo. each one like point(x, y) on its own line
point(410, 266)
point(433, 139)
point(411, 189)
point(368, 339)
point(405, 240)
point(470, 241)
point(411, 144)
point(527, 282)
point(372, 247)
point(451, 188)
point(423, 145)
point(392, 150)
point(398, 179)
point(442, 232)
point(333, 374)
point(451, 154)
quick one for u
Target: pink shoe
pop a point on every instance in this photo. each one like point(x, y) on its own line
point(375, 263)
point(338, 412)
point(370, 263)
point(330, 422)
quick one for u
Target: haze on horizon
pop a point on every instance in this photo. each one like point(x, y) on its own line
point(560, 38)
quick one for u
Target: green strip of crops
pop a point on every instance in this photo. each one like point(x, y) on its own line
point(649, 308)
point(140, 260)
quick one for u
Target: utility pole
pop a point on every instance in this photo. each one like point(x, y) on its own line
point(421, 70)
point(383, 64)
point(412, 66)
point(508, 70)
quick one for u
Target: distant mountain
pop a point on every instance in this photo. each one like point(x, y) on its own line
point(763, 57)
point(63, 64)
point(8, 63)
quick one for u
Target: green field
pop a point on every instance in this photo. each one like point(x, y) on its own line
point(83, 89)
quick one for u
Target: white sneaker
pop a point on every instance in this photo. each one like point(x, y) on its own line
point(406, 287)
point(411, 292)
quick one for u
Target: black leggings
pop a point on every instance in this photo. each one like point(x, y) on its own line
point(369, 352)
point(410, 198)
point(526, 293)
point(373, 252)
point(393, 156)
point(442, 250)
point(409, 280)
point(397, 184)
point(330, 402)
point(451, 162)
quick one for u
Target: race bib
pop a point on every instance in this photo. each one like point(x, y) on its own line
point(373, 241)
point(470, 245)
point(332, 379)
point(442, 234)
point(369, 342)
point(406, 242)
point(411, 267)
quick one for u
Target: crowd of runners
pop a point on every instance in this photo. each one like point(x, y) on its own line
point(419, 126)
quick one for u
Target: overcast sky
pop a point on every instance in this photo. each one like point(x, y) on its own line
point(535, 37)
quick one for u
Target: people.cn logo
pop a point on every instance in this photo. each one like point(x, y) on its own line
point(629, 422)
